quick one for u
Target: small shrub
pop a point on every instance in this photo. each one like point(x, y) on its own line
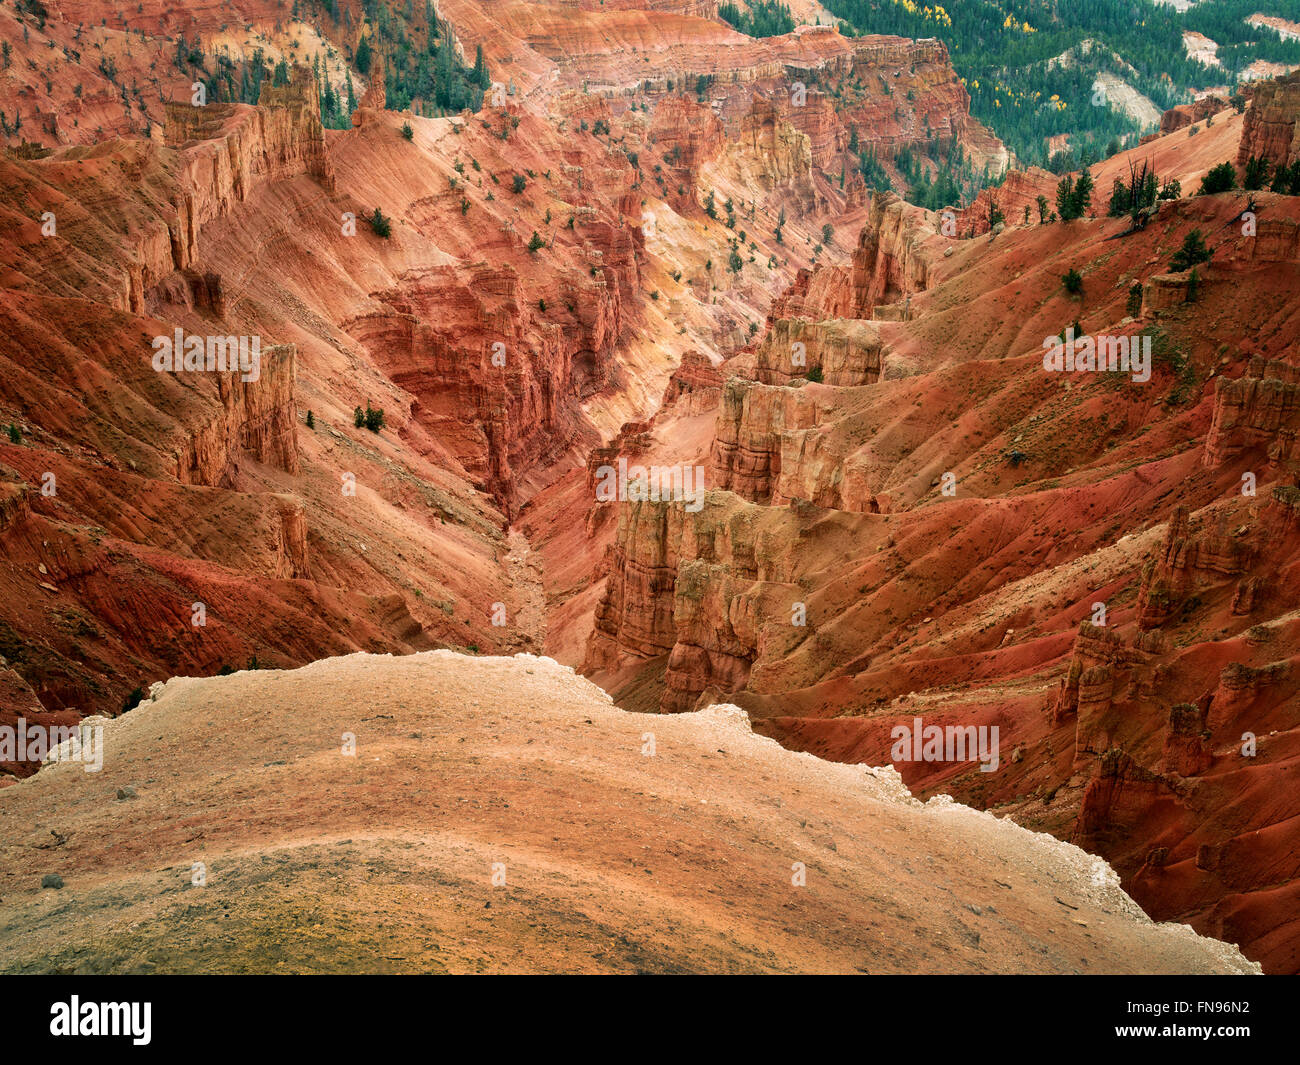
point(1073, 281)
point(407, 131)
point(1222, 178)
point(1192, 252)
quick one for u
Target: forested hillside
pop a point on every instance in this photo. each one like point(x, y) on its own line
point(1005, 53)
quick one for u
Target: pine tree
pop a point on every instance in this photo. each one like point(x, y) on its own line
point(1119, 200)
point(481, 77)
point(1192, 252)
point(1082, 203)
point(1065, 198)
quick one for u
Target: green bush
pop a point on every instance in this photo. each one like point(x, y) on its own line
point(1257, 173)
point(1222, 178)
point(1192, 252)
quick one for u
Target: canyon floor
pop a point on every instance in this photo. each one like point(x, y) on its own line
point(501, 815)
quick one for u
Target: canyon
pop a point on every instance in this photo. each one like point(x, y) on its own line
point(653, 247)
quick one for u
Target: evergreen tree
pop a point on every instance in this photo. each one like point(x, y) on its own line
point(480, 76)
point(1221, 178)
point(1065, 198)
point(1082, 203)
point(1192, 252)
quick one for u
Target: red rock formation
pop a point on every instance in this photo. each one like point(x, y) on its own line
point(695, 387)
point(841, 352)
point(893, 257)
point(1119, 795)
point(1187, 752)
point(257, 417)
point(1101, 669)
point(824, 293)
point(1164, 292)
point(685, 136)
point(1184, 115)
point(1269, 130)
point(1188, 560)
point(1257, 413)
point(746, 455)
point(1017, 194)
point(947, 513)
point(635, 616)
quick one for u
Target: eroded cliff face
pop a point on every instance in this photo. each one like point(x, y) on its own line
point(1257, 415)
point(747, 447)
point(78, 70)
point(687, 135)
point(1269, 131)
point(698, 583)
point(253, 495)
point(1016, 198)
point(894, 91)
point(892, 260)
point(635, 616)
point(909, 516)
point(1184, 115)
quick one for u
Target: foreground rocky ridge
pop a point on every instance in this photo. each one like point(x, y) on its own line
point(501, 815)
